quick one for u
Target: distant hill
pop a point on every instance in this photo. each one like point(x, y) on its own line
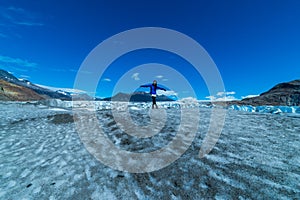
point(136, 97)
point(285, 94)
point(14, 89)
point(41, 92)
point(13, 92)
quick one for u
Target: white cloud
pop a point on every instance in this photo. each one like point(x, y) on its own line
point(227, 98)
point(29, 23)
point(81, 71)
point(25, 77)
point(165, 79)
point(225, 93)
point(250, 96)
point(106, 79)
point(222, 96)
point(159, 76)
point(167, 93)
point(189, 100)
point(135, 76)
point(210, 97)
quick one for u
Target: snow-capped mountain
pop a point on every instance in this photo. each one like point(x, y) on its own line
point(75, 94)
point(283, 94)
point(42, 92)
point(66, 91)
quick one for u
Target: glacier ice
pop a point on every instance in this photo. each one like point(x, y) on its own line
point(267, 109)
point(185, 103)
point(255, 157)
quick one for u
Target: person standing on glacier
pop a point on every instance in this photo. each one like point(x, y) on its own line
point(153, 88)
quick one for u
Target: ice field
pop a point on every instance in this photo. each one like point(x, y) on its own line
point(43, 157)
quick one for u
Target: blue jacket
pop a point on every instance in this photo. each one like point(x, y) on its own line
point(153, 88)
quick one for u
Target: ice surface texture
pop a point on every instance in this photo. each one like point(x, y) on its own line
point(42, 157)
point(268, 109)
point(99, 105)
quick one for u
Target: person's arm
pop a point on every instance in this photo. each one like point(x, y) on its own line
point(147, 85)
point(160, 88)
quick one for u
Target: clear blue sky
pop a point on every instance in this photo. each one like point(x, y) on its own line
point(255, 44)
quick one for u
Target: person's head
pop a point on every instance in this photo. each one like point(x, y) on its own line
point(154, 82)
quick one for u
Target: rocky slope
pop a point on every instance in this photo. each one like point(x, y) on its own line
point(13, 92)
point(43, 92)
point(284, 94)
point(39, 91)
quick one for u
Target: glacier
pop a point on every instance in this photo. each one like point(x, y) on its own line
point(43, 157)
point(99, 105)
point(267, 109)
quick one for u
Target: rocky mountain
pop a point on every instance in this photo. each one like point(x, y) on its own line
point(284, 94)
point(12, 92)
point(43, 92)
point(12, 88)
point(32, 91)
point(75, 94)
point(4, 75)
point(137, 97)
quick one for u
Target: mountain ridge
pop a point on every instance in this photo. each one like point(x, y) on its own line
point(13, 92)
point(285, 94)
point(42, 92)
point(136, 97)
point(282, 94)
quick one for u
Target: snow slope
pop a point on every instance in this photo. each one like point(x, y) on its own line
point(42, 157)
point(66, 91)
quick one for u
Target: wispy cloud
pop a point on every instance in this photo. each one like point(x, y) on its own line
point(135, 76)
point(250, 96)
point(25, 76)
point(13, 18)
point(29, 23)
point(63, 69)
point(222, 96)
point(227, 98)
point(20, 16)
point(15, 9)
point(106, 80)
point(5, 60)
point(159, 76)
point(167, 93)
point(80, 71)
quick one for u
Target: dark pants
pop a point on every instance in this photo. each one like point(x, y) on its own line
point(153, 100)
